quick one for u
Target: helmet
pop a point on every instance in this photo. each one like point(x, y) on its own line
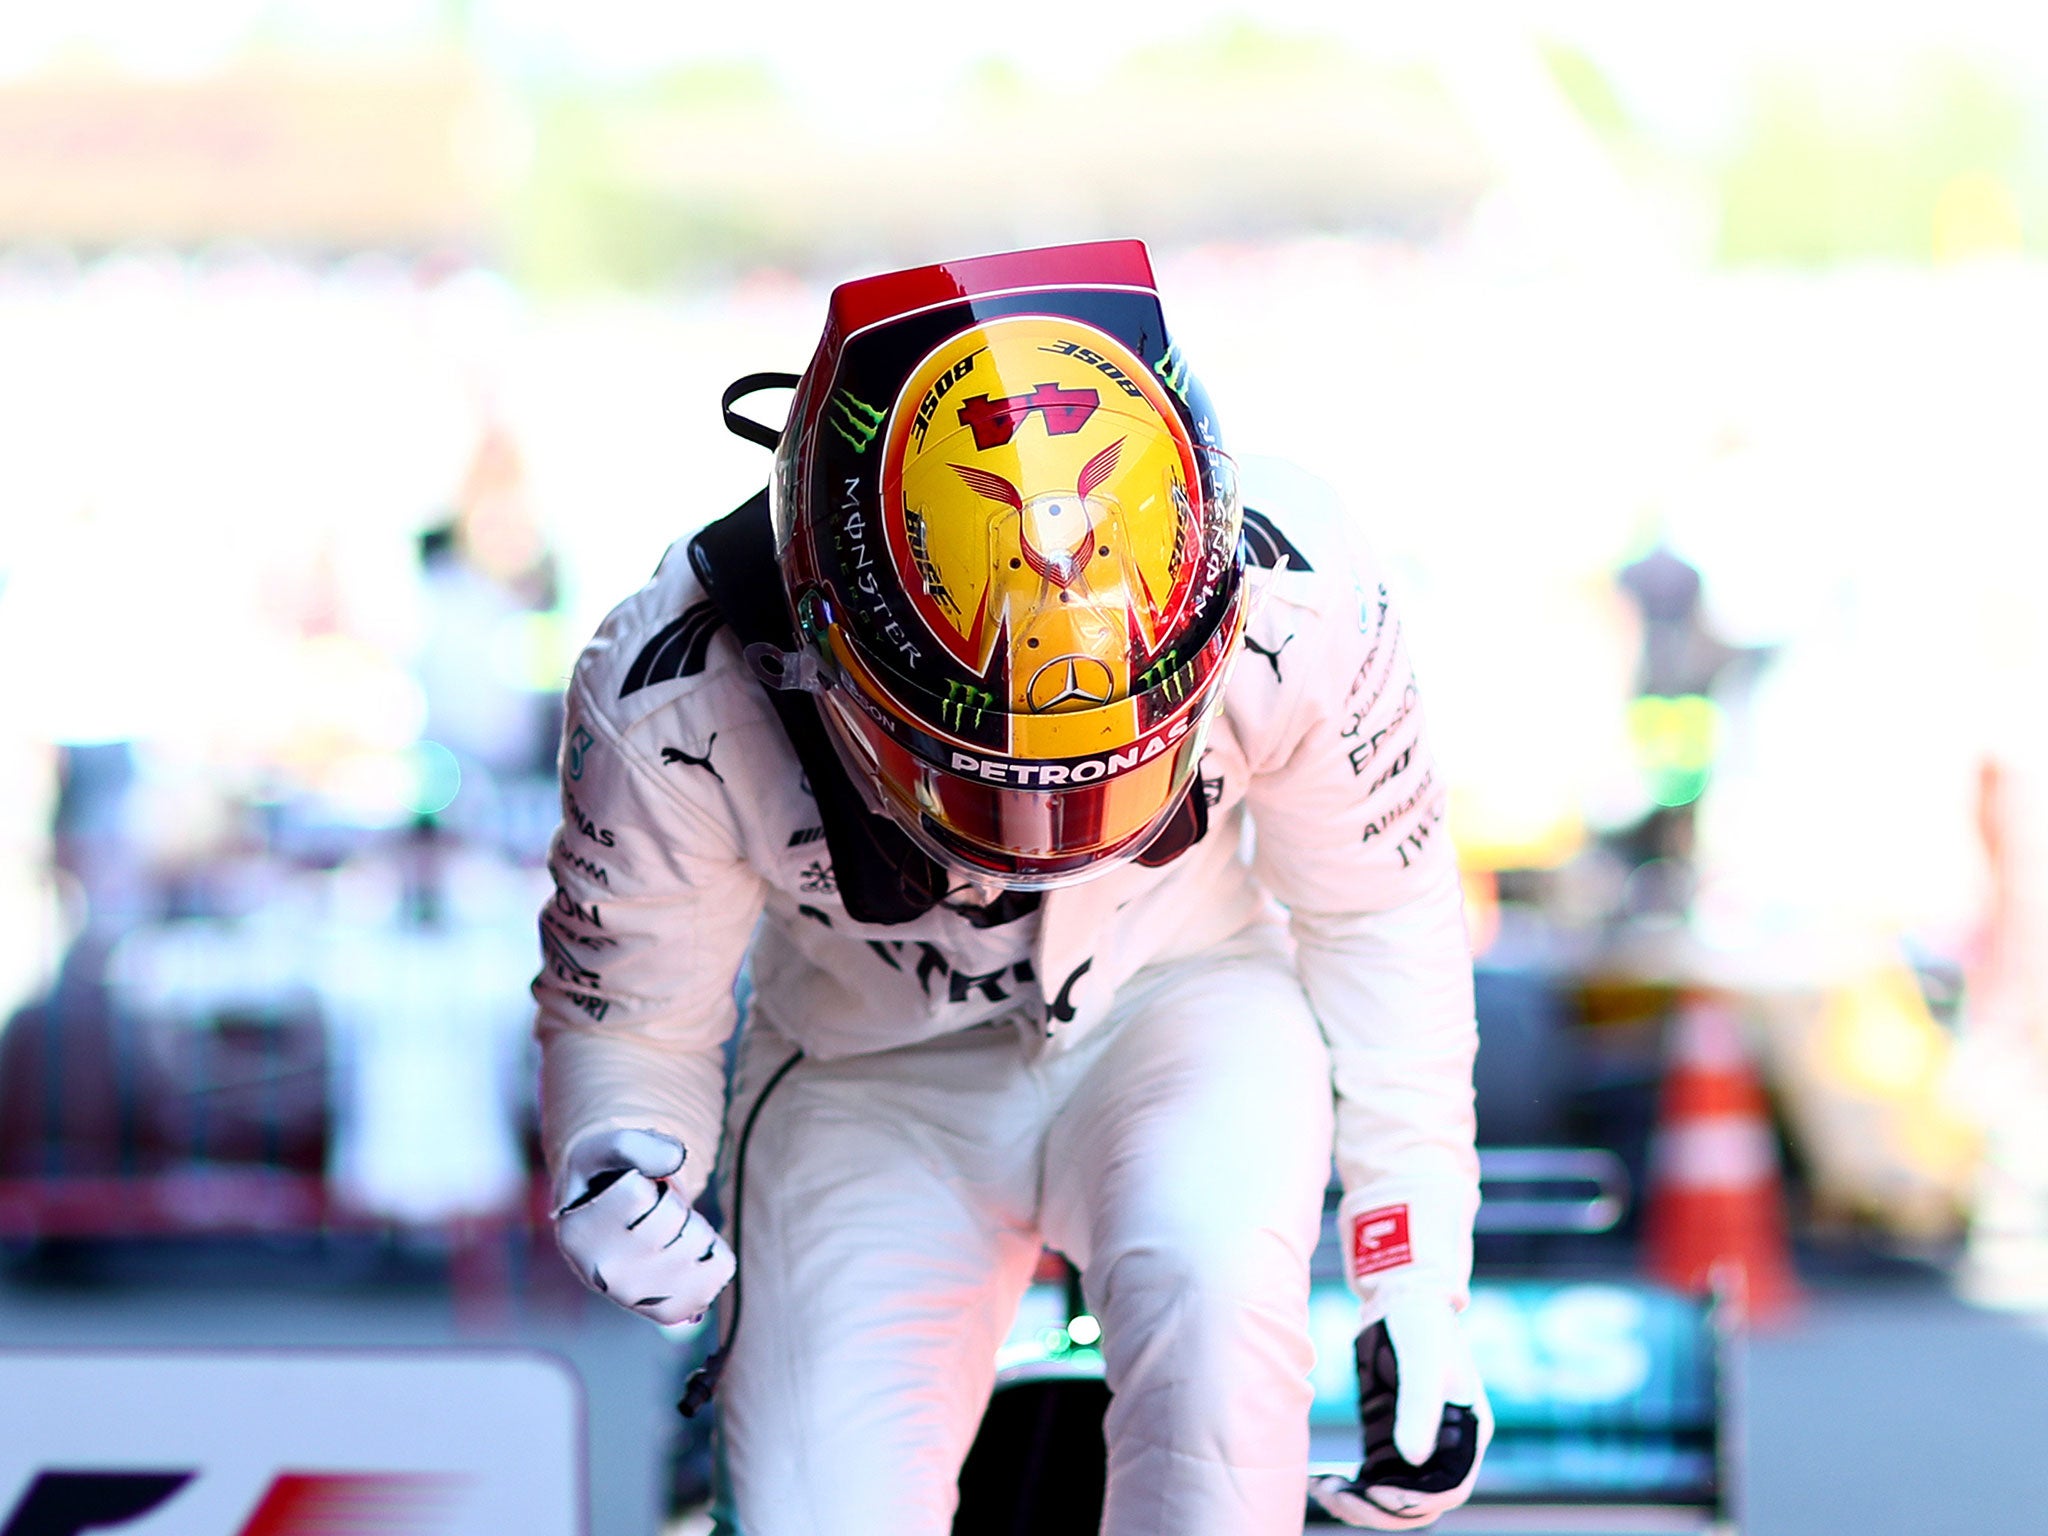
point(1010, 542)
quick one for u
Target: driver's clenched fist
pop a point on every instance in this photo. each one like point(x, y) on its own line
point(631, 1236)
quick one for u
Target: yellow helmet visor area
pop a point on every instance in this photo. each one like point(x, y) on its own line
point(1033, 823)
point(1051, 523)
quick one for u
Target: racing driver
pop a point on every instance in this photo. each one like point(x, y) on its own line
point(1070, 798)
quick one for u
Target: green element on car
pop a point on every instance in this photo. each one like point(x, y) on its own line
point(854, 419)
point(1677, 740)
point(437, 776)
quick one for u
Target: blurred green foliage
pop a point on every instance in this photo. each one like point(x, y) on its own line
point(1899, 163)
point(1232, 54)
point(1244, 60)
point(1586, 86)
point(715, 169)
point(595, 209)
point(1837, 158)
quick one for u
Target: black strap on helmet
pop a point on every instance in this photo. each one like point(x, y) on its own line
point(745, 426)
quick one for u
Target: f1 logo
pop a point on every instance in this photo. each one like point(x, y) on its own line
point(295, 1504)
point(996, 421)
point(66, 1503)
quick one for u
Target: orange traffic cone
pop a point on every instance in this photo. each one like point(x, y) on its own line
point(1716, 1215)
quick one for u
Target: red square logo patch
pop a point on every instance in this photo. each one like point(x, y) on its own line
point(1379, 1240)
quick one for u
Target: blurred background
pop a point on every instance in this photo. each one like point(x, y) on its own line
point(357, 355)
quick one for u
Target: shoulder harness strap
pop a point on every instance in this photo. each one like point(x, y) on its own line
point(883, 877)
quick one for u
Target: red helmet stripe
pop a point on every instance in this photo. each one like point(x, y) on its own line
point(1099, 469)
point(993, 486)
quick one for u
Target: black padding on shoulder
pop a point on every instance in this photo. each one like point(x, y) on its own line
point(677, 651)
point(883, 877)
point(1266, 544)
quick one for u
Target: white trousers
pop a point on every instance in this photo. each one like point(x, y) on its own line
point(895, 1207)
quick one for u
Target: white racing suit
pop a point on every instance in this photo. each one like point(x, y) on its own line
point(1138, 1072)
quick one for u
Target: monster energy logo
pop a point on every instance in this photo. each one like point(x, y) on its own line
point(1173, 368)
point(1165, 673)
point(963, 700)
point(854, 419)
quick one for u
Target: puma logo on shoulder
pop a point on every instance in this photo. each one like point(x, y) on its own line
point(1272, 657)
point(677, 755)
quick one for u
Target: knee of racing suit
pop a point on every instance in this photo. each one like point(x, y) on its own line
point(1206, 1343)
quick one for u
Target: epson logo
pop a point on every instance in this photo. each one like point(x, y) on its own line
point(1089, 770)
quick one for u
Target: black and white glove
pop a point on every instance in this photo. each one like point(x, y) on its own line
point(631, 1236)
point(1427, 1420)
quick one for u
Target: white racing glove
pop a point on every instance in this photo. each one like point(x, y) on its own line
point(1427, 1420)
point(631, 1236)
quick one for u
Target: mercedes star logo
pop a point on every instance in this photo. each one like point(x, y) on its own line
point(1070, 682)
